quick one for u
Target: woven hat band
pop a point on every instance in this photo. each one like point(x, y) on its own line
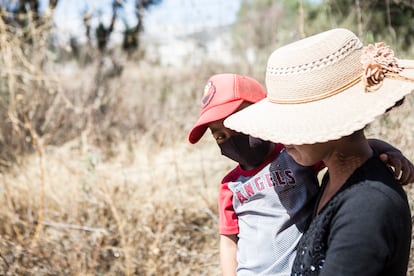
point(317, 97)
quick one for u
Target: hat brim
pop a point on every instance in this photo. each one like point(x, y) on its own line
point(211, 115)
point(323, 120)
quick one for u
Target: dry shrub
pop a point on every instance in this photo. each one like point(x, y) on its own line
point(22, 83)
point(34, 109)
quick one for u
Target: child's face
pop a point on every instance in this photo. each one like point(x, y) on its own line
point(247, 151)
point(220, 132)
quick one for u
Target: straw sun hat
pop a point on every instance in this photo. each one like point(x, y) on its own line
point(324, 87)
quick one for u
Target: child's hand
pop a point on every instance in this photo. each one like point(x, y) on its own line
point(402, 167)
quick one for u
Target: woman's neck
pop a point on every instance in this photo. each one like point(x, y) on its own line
point(348, 154)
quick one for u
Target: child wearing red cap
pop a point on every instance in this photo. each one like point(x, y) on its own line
point(266, 201)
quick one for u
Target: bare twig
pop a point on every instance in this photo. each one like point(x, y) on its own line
point(75, 227)
point(37, 141)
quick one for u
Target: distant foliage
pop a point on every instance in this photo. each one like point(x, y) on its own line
point(391, 21)
point(264, 25)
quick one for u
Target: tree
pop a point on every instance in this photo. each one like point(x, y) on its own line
point(15, 12)
point(131, 39)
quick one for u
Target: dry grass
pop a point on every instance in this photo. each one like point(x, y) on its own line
point(155, 215)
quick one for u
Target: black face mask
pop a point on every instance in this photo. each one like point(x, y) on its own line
point(247, 151)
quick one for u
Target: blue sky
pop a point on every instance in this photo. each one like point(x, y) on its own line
point(171, 15)
point(194, 13)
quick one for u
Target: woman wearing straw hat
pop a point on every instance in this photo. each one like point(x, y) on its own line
point(330, 87)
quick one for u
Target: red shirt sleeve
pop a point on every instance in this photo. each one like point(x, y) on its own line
point(229, 224)
point(318, 166)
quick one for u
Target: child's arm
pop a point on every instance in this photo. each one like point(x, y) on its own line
point(402, 167)
point(228, 251)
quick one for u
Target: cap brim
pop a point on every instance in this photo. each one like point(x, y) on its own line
point(213, 114)
point(319, 121)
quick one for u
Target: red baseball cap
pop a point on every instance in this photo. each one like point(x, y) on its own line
point(223, 94)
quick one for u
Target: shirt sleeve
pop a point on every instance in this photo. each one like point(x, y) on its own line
point(227, 216)
point(368, 231)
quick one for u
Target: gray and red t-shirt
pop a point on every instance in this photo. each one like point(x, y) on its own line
point(268, 208)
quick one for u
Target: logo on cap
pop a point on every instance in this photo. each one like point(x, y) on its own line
point(209, 91)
